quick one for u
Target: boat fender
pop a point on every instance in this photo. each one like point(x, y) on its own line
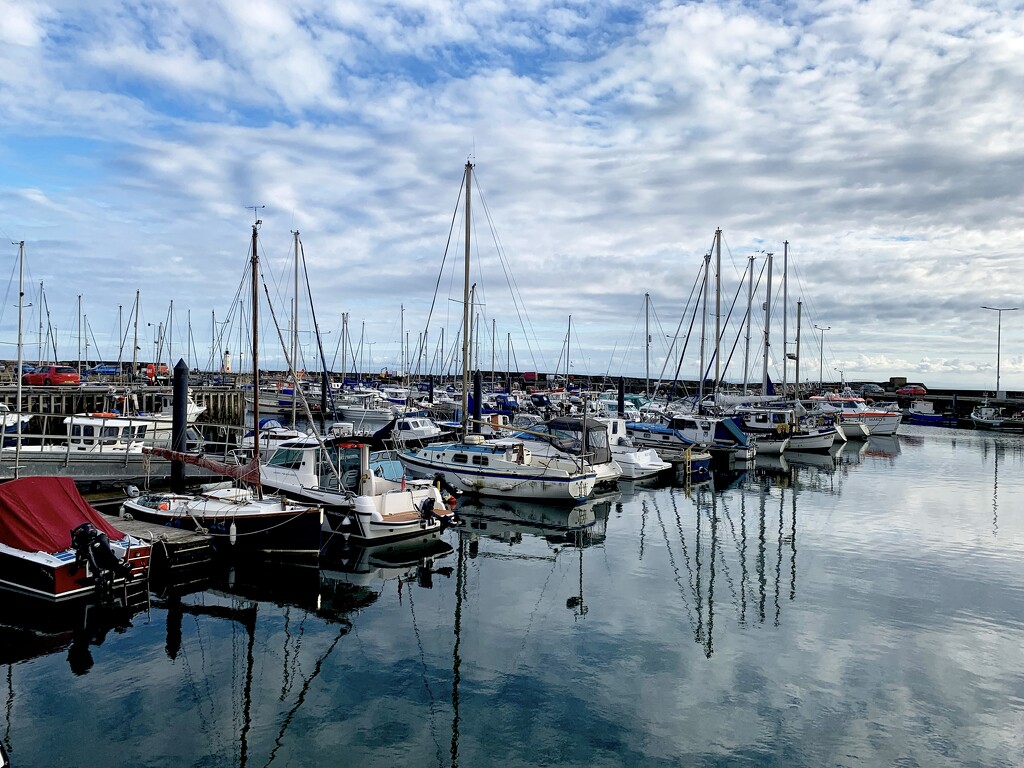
point(232, 533)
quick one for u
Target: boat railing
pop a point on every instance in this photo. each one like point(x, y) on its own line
point(48, 432)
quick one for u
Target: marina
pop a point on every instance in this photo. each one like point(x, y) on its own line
point(853, 608)
point(550, 384)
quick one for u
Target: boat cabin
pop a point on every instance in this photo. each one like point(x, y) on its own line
point(104, 432)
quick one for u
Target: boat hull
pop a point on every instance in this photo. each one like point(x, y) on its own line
point(58, 578)
point(268, 526)
point(500, 478)
point(812, 442)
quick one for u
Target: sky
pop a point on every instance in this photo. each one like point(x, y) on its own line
point(609, 141)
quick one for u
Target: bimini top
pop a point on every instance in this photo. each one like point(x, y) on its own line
point(37, 514)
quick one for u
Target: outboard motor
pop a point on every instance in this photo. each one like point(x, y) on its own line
point(427, 513)
point(92, 547)
point(427, 508)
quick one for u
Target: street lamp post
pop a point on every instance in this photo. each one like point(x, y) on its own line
point(999, 336)
point(821, 355)
point(842, 381)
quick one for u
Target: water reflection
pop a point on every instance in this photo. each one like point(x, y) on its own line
point(813, 601)
point(30, 629)
point(883, 446)
point(508, 521)
point(742, 529)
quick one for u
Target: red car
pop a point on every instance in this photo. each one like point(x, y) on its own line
point(51, 375)
point(912, 390)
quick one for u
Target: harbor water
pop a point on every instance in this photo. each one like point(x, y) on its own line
point(859, 609)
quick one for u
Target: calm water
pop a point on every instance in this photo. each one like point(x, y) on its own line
point(864, 613)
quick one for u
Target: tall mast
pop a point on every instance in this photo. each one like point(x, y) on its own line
point(295, 331)
point(120, 337)
point(767, 324)
point(465, 312)
point(796, 380)
point(42, 305)
point(79, 335)
point(568, 336)
point(785, 312)
point(718, 308)
point(254, 266)
point(750, 312)
point(647, 344)
point(344, 347)
point(169, 336)
point(21, 311)
point(703, 330)
point(135, 344)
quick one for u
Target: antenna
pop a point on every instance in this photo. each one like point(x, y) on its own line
point(255, 215)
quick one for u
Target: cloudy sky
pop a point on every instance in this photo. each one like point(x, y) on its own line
point(610, 141)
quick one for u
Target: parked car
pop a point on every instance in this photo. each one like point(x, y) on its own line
point(912, 390)
point(871, 390)
point(48, 375)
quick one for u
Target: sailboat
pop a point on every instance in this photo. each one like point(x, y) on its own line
point(509, 470)
point(242, 516)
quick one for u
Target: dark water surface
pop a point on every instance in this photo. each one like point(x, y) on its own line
point(866, 611)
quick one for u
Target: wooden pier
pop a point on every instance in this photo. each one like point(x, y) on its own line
point(223, 404)
point(180, 556)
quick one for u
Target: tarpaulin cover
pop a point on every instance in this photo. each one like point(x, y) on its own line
point(37, 514)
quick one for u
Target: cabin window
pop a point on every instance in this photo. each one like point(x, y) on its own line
point(460, 458)
point(481, 461)
point(289, 458)
point(615, 427)
point(665, 437)
point(761, 418)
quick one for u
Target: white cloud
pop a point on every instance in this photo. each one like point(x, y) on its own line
point(611, 141)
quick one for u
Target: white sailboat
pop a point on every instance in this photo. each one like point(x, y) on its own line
point(241, 516)
point(509, 470)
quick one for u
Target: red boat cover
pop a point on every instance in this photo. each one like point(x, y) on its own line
point(37, 514)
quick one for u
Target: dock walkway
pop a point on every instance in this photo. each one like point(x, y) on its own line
point(173, 548)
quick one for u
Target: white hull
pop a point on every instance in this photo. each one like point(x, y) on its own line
point(879, 423)
point(812, 442)
point(638, 464)
point(494, 471)
point(770, 445)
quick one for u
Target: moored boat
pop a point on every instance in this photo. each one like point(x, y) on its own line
point(683, 436)
point(635, 463)
point(365, 501)
point(996, 418)
point(54, 546)
point(507, 471)
point(923, 412)
point(238, 518)
point(849, 407)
